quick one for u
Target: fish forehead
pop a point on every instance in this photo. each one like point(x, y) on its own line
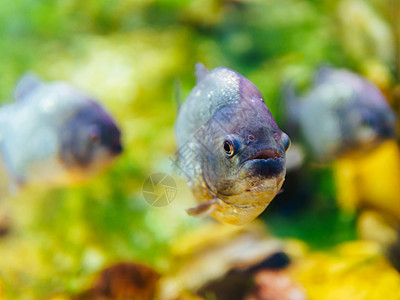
point(218, 88)
point(339, 101)
point(243, 119)
point(223, 86)
point(345, 87)
point(219, 84)
point(230, 86)
point(52, 101)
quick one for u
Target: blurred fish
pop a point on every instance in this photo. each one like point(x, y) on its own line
point(55, 134)
point(229, 147)
point(341, 114)
point(124, 280)
point(276, 285)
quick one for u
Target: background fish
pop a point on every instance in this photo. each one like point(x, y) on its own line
point(55, 134)
point(340, 114)
point(230, 147)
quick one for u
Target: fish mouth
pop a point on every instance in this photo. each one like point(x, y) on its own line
point(116, 149)
point(265, 154)
point(263, 164)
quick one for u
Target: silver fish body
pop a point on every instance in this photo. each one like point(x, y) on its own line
point(342, 113)
point(230, 147)
point(55, 134)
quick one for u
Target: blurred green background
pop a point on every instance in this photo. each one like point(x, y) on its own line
point(128, 54)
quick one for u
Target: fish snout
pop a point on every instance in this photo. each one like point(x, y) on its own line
point(112, 139)
point(263, 164)
point(116, 147)
point(387, 130)
point(265, 154)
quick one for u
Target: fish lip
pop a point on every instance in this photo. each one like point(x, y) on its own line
point(269, 157)
point(117, 149)
point(264, 154)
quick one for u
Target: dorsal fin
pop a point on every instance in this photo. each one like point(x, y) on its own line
point(201, 71)
point(291, 102)
point(28, 82)
point(178, 94)
point(323, 73)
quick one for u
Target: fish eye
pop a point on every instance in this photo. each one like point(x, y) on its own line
point(228, 148)
point(94, 135)
point(366, 122)
point(94, 138)
point(285, 141)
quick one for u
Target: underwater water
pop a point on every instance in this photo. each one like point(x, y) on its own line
point(332, 233)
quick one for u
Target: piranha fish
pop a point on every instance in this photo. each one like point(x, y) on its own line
point(229, 147)
point(342, 113)
point(54, 134)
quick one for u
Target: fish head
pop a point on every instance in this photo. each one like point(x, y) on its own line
point(369, 120)
point(344, 114)
point(90, 140)
point(363, 115)
point(244, 153)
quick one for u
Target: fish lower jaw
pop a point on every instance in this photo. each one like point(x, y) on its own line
point(265, 188)
point(260, 195)
point(240, 213)
point(269, 186)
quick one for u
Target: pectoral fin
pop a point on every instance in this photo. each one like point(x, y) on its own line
point(201, 71)
point(323, 74)
point(205, 208)
point(26, 84)
point(178, 94)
